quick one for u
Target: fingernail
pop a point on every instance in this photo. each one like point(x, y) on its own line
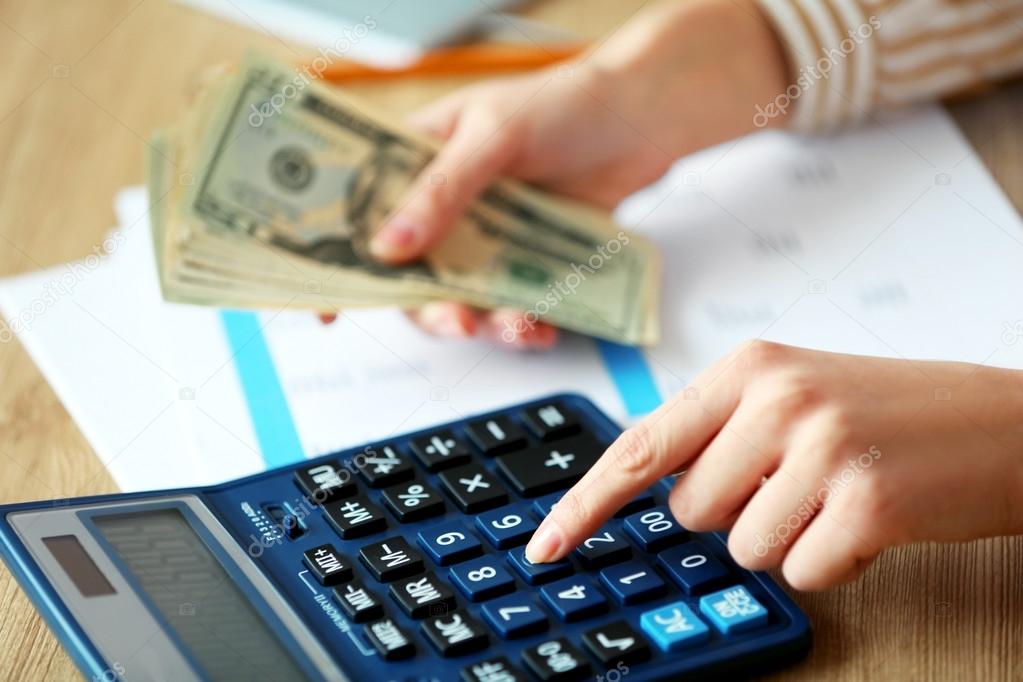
point(395, 239)
point(544, 336)
point(545, 544)
point(439, 320)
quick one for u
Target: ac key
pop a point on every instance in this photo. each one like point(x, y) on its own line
point(473, 488)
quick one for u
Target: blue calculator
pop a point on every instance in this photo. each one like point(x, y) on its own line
point(401, 560)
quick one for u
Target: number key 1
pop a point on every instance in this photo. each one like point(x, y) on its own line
point(632, 582)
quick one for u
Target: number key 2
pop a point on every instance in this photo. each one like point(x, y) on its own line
point(604, 548)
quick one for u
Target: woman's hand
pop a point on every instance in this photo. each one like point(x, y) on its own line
point(818, 461)
point(677, 77)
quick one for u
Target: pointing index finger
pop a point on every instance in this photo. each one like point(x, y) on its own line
point(663, 442)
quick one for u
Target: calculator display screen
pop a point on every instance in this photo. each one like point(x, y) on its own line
point(210, 615)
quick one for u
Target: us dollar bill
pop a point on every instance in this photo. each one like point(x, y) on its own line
point(291, 179)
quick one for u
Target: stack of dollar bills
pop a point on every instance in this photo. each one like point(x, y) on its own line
point(267, 191)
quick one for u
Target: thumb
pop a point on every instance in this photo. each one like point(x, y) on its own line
point(477, 151)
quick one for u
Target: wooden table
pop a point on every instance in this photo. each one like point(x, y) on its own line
point(84, 83)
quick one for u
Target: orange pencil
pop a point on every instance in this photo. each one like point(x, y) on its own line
point(461, 60)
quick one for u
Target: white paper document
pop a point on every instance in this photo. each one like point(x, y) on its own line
point(886, 240)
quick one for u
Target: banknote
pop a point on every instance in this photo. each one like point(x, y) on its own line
point(289, 179)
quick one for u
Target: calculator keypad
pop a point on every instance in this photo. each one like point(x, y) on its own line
point(443, 573)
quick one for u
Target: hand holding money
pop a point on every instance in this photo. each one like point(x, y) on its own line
point(291, 180)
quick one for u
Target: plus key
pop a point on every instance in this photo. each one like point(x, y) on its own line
point(549, 468)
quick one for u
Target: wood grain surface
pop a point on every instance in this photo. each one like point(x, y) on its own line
point(83, 85)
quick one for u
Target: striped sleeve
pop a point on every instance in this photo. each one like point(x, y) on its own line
point(850, 57)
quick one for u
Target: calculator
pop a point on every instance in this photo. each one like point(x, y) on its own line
point(400, 560)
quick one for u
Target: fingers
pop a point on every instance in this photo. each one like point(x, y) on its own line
point(445, 318)
point(728, 472)
point(663, 442)
point(503, 326)
point(511, 328)
point(440, 117)
point(480, 146)
point(827, 554)
point(775, 517)
point(798, 521)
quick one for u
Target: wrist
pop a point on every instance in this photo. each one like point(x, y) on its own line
point(994, 404)
point(693, 74)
